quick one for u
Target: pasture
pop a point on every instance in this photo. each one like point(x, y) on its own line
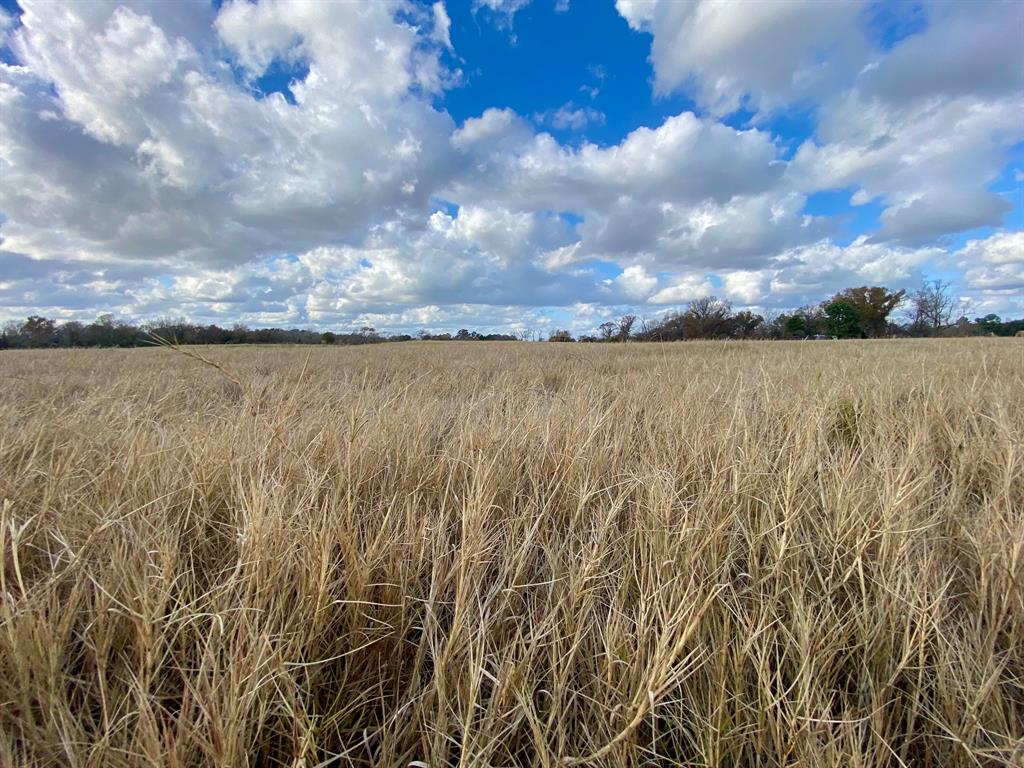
point(499, 554)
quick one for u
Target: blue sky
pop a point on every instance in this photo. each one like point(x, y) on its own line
point(504, 163)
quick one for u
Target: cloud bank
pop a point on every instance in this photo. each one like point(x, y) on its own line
point(149, 169)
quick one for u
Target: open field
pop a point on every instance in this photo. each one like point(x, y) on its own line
point(701, 554)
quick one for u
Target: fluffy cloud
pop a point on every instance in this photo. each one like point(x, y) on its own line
point(924, 128)
point(761, 55)
point(994, 271)
point(927, 127)
point(685, 160)
point(123, 141)
point(807, 273)
point(291, 162)
point(929, 163)
point(690, 193)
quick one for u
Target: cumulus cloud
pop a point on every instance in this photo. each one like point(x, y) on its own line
point(762, 55)
point(807, 273)
point(928, 135)
point(993, 271)
point(122, 141)
point(690, 193)
point(926, 128)
point(635, 283)
point(289, 162)
point(683, 289)
point(923, 128)
point(685, 159)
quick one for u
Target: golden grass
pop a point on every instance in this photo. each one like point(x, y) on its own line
point(701, 554)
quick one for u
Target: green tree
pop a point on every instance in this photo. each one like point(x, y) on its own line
point(990, 323)
point(39, 331)
point(873, 305)
point(842, 320)
point(794, 326)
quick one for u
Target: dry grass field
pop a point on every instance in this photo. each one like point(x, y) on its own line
point(699, 554)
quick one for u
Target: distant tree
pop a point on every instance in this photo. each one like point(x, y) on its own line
point(608, 330)
point(990, 323)
point(873, 306)
point(843, 321)
point(239, 334)
point(745, 324)
point(10, 336)
point(933, 307)
point(707, 318)
point(39, 331)
point(993, 325)
point(626, 323)
point(794, 326)
point(801, 323)
point(70, 334)
point(670, 327)
point(560, 335)
point(328, 338)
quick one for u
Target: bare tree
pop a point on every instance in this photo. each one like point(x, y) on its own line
point(626, 323)
point(933, 306)
point(707, 318)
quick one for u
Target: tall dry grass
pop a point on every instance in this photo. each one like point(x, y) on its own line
point(706, 554)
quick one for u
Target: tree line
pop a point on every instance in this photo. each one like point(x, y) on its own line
point(863, 312)
point(108, 331)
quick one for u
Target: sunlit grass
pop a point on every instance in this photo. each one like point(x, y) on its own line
point(701, 554)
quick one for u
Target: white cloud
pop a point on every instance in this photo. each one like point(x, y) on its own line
point(690, 193)
point(967, 49)
point(635, 283)
point(1000, 248)
point(686, 159)
point(569, 117)
point(123, 141)
point(809, 273)
point(930, 163)
point(145, 172)
point(993, 271)
point(683, 290)
point(760, 54)
point(502, 11)
point(927, 129)
point(442, 26)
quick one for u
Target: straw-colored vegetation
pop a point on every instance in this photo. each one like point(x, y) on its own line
point(701, 554)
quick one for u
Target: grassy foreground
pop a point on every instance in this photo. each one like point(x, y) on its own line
point(700, 554)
